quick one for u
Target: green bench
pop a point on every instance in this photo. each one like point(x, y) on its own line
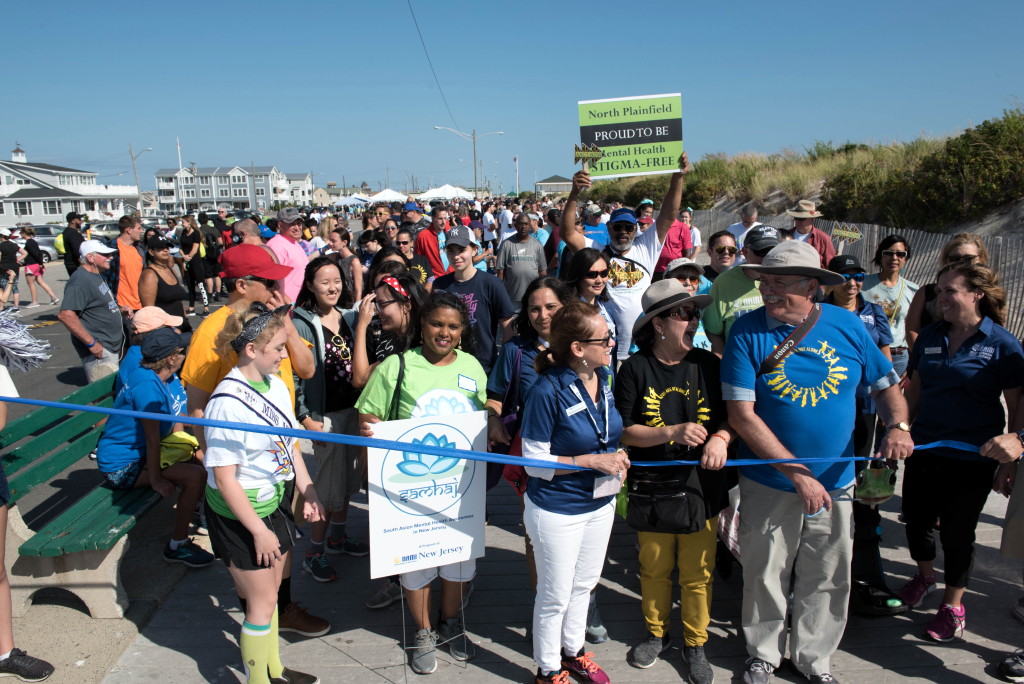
point(79, 550)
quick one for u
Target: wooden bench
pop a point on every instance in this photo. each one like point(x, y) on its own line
point(79, 550)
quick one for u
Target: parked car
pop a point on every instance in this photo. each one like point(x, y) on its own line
point(104, 230)
point(44, 238)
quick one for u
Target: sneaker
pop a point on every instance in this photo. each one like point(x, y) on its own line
point(295, 619)
point(697, 665)
point(559, 677)
point(914, 591)
point(317, 565)
point(596, 631)
point(33, 306)
point(823, 678)
point(199, 522)
point(388, 593)
point(757, 672)
point(584, 669)
point(1012, 667)
point(23, 666)
point(948, 624)
point(452, 634)
point(348, 545)
point(1018, 610)
point(872, 601)
point(294, 677)
point(422, 657)
point(646, 653)
point(188, 554)
point(55, 301)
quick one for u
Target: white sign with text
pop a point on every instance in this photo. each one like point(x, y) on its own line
point(426, 510)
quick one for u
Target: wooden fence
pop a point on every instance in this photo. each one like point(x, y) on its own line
point(1006, 253)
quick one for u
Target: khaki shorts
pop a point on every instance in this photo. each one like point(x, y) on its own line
point(1013, 526)
point(340, 468)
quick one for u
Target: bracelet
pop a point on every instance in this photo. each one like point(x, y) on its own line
point(715, 434)
point(91, 345)
point(573, 460)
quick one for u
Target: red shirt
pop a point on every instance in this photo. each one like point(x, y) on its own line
point(426, 244)
point(676, 242)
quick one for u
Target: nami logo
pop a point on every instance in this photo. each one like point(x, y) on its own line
point(425, 484)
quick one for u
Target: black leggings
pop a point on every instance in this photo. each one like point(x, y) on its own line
point(196, 271)
point(951, 492)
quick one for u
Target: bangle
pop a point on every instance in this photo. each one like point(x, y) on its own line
point(91, 345)
point(715, 434)
point(573, 460)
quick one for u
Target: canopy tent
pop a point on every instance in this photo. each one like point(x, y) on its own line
point(446, 192)
point(388, 195)
point(349, 201)
point(361, 197)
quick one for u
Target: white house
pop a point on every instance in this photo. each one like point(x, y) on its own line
point(301, 187)
point(45, 193)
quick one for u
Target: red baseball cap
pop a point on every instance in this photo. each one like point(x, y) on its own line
point(251, 260)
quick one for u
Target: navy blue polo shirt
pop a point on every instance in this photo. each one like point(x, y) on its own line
point(960, 395)
point(558, 420)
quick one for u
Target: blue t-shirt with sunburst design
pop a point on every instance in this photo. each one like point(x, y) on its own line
point(809, 400)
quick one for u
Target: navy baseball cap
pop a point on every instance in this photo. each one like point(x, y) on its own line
point(623, 215)
point(411, 206)
point(460, 236)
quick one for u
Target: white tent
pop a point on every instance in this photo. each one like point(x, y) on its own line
point(446, 192)
point(349, 201)
point(361, 197)
point(388, 195)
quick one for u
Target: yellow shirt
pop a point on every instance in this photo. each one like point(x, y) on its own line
point(205, 367)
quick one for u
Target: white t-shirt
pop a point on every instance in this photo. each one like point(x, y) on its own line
point(628, 278)
point(262, 460)
point(739, 231)
point(488, 221)
point(505, 219)
point(802, 237)
point(695, 236)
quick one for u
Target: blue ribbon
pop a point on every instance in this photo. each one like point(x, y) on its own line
point(373, 442)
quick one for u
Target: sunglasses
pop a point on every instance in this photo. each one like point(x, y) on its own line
point(898, 253)
point(382, 213)
point(723, 250)
point(686, 313)
point(597, 274)
point(603, 341)
point(962, 258)
point(265, 282)
point(855, 277)
point(687, 278)
point(402, 243)
point(623, 227)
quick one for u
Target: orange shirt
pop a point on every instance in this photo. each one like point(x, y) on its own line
point(128, 283)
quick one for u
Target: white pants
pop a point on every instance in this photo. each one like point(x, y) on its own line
point(569, 552)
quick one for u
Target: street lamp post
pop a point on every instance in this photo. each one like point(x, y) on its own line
point(138, 188)
point(472, 137)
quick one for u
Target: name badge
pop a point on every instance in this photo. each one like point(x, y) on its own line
point(265, 494)
point(573, 410)
point(467, 383)
point(933, 350)
point(606, 485)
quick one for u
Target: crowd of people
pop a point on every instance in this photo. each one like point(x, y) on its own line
point(593, 339)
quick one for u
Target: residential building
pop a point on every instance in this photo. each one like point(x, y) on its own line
point(300, 186)
point(552, 185)
point(204, 188)
point(44, 193)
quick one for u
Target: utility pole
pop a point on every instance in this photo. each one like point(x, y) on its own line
point(516, 160)
point(472, 137)
point(135, 170)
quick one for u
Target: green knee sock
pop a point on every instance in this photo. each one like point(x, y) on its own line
point(256, 641)
point(274, 650)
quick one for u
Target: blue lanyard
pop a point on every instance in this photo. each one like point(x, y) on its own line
point(601, 438)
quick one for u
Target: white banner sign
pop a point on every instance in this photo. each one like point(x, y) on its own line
point(426, 510)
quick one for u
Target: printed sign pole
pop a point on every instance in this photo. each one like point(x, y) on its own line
point(635, 136)
point(425, 510)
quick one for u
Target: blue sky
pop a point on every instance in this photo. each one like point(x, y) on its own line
point(343, 89)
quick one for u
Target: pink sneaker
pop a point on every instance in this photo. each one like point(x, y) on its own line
point(914, 591)
point(948, 624)
point(584, 669)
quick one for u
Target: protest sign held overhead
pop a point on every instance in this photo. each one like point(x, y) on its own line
point(636, 136)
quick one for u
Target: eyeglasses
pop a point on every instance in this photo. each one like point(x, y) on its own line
point(597, 274)
point(961, 258)
point(724, 249)
point(265, 282)
point(603, 341)
point(688, 278)
point(403, 243)
point(779, 286)
point(381, 303)
point(382, 213)
point(855, 277)
point(898, 253)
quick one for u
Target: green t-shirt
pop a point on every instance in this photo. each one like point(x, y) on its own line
point(427, 390)
point(732, 295)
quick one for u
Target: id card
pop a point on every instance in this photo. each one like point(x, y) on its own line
point(607, 485)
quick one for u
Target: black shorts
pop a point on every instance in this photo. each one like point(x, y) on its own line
point(5, 491)
point(233, 543)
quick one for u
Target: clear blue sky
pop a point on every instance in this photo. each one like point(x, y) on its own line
point(343, 89)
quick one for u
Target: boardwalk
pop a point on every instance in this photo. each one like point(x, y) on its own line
point(192, 638)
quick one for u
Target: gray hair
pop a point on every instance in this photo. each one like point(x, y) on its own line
point(749, 211)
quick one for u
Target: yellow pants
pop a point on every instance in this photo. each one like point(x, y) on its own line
point(694, 554)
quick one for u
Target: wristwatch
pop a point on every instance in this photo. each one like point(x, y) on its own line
point(1020, 436)
point(898, 426)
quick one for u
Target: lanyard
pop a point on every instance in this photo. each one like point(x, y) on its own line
point(601, 438)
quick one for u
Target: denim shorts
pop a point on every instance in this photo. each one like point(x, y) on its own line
point(125, 477)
